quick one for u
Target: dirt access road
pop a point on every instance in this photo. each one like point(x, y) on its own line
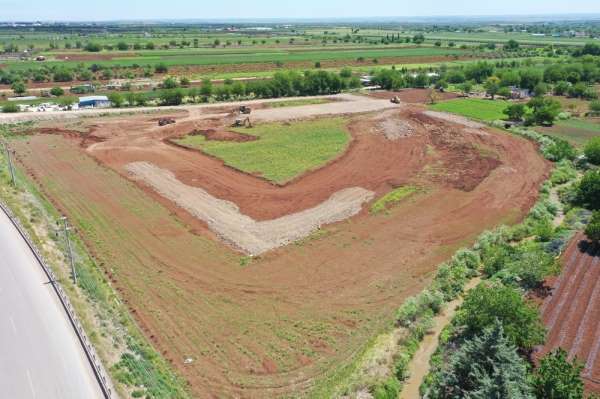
point(282, 323)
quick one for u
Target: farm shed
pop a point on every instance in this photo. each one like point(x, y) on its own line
point(94, 102)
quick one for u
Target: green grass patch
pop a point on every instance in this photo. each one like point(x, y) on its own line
point(282, 151)
point(474, 108)
point(393, 197)
point(297, 103)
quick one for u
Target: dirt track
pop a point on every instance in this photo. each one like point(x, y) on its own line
point(278, 325)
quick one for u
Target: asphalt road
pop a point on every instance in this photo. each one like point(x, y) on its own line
point(40, 354)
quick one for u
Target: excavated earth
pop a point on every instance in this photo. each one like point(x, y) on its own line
point(161, 219)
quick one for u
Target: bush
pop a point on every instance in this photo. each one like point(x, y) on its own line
point(589, 190)
point(10, 108)
point(592, 230)
point(563, 172)
point(389, 389)
point(161, 68)
point(592, 150)
point(57, 91)
point(558, 378)
point(487, 303)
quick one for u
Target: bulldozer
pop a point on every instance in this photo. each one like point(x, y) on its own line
point(239, 122)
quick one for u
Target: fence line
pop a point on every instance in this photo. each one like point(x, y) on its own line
point(94, 360)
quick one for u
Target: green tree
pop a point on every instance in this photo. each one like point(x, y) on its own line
point(161, 68)
point(515, 112)
point(116, 99)
point(18, 88)
point(206, 90)
point(171, 97)
point(57, 91)
point(561, 88)
point(122, 46)
point(511, 45)
point(592, 150)
point(545, 110)
point(492, 85)
point(540, 90)
point(488, 302)
point(588, 192)
point(592, 230)
point(67, 101)
point(557, 378)
point(419, 38)
point(595, 107)
point(93, 47)
point(170, 83)
point(485, 366)
point(184, 81)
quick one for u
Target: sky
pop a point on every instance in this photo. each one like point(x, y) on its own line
point(102, 10)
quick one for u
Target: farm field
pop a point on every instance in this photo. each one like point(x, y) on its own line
point(274, 151)
point(257, 56)
point(572, 312)
point(576, 131)
point(288, 321)
point(475, 108)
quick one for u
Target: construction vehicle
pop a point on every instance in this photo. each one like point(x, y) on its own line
point(239, 122)
point(395, 100)
point(165, 121)
point(245, 110)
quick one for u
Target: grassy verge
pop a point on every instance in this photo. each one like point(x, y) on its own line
point(137, 370)
point(392, 198)
point(296, 103)
point(282, 151)
point(474, 108)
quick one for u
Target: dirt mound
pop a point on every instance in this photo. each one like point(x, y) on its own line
point(225, 219)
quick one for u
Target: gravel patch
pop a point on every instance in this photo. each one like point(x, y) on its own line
point(225, 219)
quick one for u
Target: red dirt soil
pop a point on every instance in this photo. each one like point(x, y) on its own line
point(572, 312)
point(292, 317)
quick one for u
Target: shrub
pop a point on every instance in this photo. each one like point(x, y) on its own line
point(389, 389)
point(57, 91)
point(592, 230)
point(564, 172)
point(487, 303)
point(10, 108)
point(589, 190)
point(161, 68)
point(592, 150)
point(558, 378)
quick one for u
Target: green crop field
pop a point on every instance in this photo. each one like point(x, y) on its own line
point(475, 108)
point(575, 131)
point(244, 57)
point(281, 152)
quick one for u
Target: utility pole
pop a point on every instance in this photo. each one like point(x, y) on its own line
point(10, 165)
point(66, 230)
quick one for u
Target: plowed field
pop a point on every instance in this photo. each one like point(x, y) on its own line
point(285, 322)
point(572, 312)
